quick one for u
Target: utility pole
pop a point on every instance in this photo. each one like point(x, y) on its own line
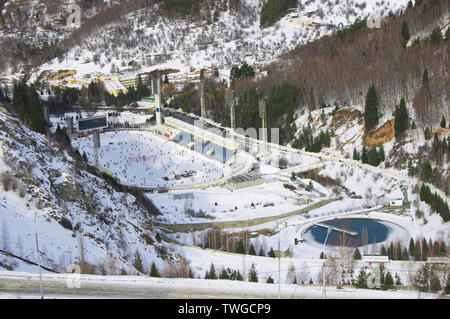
point(324, 292)
point(38, 257)
point(279, 266)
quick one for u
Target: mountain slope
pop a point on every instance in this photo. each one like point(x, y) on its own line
point(75, 213)
point(149, 37)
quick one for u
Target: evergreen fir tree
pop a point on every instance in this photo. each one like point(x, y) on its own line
point(398, 282)
point(293, 177)
point(427, 133)
point(261, 252)
point(271, 253)
point(447, 285)
point(388, 281)
point(421, 281)
point(356, 155)
point(252, 275)
point(443, 122)
point(138, 262)
point(371, 109)
point(381, 154)
point(405, 31)
point(364, 156)
point(154, 271)
point(357, 254)
point(436, 36)
point(425, 76)
point(401, 121)
point(361, 279)
point(252, 251)
point(240, 248)
point(211, 274)
point(411, 246)
point(270, 280)
point(224, 274)
point(435, 283)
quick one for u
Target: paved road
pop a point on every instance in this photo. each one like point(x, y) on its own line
point(21, 285)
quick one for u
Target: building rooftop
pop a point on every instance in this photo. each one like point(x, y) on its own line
point(114, 85)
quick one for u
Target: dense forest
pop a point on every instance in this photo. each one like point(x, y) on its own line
point(340, 68)
point(273, 10)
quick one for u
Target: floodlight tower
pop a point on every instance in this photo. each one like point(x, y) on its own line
point(263, 116)
point(69, 124)
point(46, 116)
point(229, 102)
point(202, 98)
point(96, 146)
point(156, 88)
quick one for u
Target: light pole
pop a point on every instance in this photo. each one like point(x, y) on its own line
point(324, 293)
point(279, 255)
point(279, 258)
point(38, 257)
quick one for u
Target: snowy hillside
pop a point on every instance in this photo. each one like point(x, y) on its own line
point(145, 40)
point(74, 212)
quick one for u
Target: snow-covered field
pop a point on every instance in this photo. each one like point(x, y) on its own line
point(269, 199)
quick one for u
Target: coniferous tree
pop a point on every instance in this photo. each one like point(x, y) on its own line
point(253, 275)
point(443, 122)
point(224, 274)
point(447, 285)
point(211, 273)
point(427, 133)
point(356, 155)
point(154, 271)
point(251, 250)
point(357, 254)
point(138, 262)
point(371, 109)
point(361, 279)
point(398, 282)
point(240, 248)
point(269, 280)
point(425, 76)
point(364, 156)
point(271, 253)
point(411, 246)
point(436, 36)
point(37, 120)
point(238, 276)
point(405, 31)
point(381, 154)
point(401, 121)
point(388, 281)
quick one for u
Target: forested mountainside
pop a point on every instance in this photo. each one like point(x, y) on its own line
point(243, 29)
point(340, 68)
